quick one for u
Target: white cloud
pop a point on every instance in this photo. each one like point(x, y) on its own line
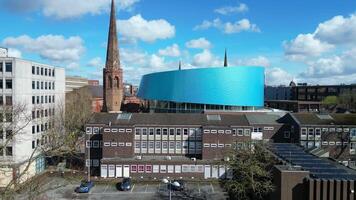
point(338, 30)
point(137, 27)
point(132, 57)
point(72, 66)
point(55, 48)
point(336, 65)
point(14, 53)
point(305, 45)
point(206, 59)
point(200, 43)
point(232, 9)
point(229, 27)
point(96, 62)
point(64, 9)
point(172, 51)
point(157, 62)
point(256, 61)
point(277, 76)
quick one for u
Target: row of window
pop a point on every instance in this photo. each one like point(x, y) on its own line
point(43, 99)
point(165, 145)
point(5, 117)
point(8, 84)
point(318, 131)
point(8, 100)
point(7, 136)
point(43, 71)
point(43, 85)
point(8, 67)
point(39, 142)
point(43, 113)
point(151, 169)
point(214, 145)
point(42, 127)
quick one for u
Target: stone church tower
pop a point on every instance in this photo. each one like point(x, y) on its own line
point(112, 73)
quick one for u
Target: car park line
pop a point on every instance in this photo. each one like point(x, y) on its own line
point(106, 188)
point(199, 188)
point(146, 187)
point(132, 188)
point(212, 188)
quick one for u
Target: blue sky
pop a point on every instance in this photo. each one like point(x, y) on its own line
point(306, 41)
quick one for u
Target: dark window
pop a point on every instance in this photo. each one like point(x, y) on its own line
point(33, 129)
point(45, 85)
point(33, 84)
point(33, 99)
point(1, 135)
point(41, 99)
point(1, 84)
point(53, 98)
point(49, 99)
point(33, 144)
point(49, 86)
point(42, 85)
point(8, 66)
point(33, 69)
point(38, 114)
point(45, 72)
point(46, 113)
point(8, 84)
point(33, 114)
point(53, 73)
point(9, 100)
point(46, 99)
point(9, 134)
point(49, 72)
point(37, 70)
point(9, 151)
point(38, 142)
point(53, 85)
point(38, 128)
point(41, 71)
point(38, 100)
point(8, 117)
point(0, 66)
point(1, 101)
point(42, 127)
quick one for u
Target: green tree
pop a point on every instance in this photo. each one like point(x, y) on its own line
point(347, 100)
point(252, 177)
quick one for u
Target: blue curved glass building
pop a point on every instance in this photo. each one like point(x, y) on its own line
point(195, 90)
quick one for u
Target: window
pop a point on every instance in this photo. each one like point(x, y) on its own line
point(170, 168)
point(240, 132)
point(213, 131)
point(8, 100)
point(171, 131)
point(155, 169)
point(163, 168)
point(144, 131)
point(106, 144)
point(247, 132)
point(8, 117)
point(45, 72)
point(114, 144)
point(141, 169)
point(165, 131)
point(8, 66)
point(95, 144)
point(185, 131)
point(137, 131)
point(128, 144)
point(151, 131)
point(53, 74)
point(221, 131)
point(206, 144)
point(151, 144)
point(41, 71)
point(317, 132)
point(33, 129)
point(178, 145)
point(221, 145)
point(158, 145)
point(257, 129)
point(286, 134)
point(122, 144)
point(158, 131)
point(9, 134)
point(310, 131)
point(0, 71)
point(33, 144)
point(33, 69)
point(41, 85)
point(228, 131)
point(165, 145)
point(177, 169)
point(38, 85)
point(178, 133)
point(8, 151)
point(49, 72)
point(33, 84)
point(1, 100)
point(8, 84)
point(144, 145)
point(171, 145)
point(233, 132)
point(45, 86)
point(37, 70)
point(88, 144)
point(133, 168)
point(213, 145)
point(137, 145)
point(1, 84)
point(206, 131)
point(148, 168)
point(353, 132)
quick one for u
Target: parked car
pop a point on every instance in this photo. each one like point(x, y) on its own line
point(84, 187)
point(125, 185)
point(177, 185)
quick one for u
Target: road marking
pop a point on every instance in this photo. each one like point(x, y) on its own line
point(106, 188)
point(132, 188)
point(212, 188)
point(146, 187)
point(199, 187)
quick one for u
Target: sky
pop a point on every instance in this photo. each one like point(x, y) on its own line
point(311, 41)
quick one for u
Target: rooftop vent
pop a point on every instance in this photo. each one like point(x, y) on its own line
point(213, 117)
point(324, 116)
point(124, 116)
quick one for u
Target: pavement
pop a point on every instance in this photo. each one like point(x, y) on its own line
point(63, 189)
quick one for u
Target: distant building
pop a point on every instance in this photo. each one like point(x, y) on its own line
point(93, 82)
point(319, 92)
point(75, 82)
point(40, 90)
point(294, 105)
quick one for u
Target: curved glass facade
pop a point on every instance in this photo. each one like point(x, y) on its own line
point(221, 88)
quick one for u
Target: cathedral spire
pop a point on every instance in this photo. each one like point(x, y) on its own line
point(225, 59)
point(112, 54)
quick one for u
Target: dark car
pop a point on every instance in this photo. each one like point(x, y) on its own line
point(85, 187)
point(177, 187)
point(125, 185)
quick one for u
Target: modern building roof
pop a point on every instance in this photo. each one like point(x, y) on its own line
point(264, 118)
point(169, 119)
point(325, 119)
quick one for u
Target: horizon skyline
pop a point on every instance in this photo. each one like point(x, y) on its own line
point(322, 50)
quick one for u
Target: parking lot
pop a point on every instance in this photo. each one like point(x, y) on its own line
point(58, 188)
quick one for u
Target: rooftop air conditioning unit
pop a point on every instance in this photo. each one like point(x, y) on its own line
point(194, 159)
point(168, 158)
point(139, 157)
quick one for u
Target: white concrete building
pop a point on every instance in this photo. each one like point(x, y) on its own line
point(40, 90)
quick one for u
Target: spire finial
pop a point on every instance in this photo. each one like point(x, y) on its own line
point(180, 65)
point(112, 54)
point(225, 59)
